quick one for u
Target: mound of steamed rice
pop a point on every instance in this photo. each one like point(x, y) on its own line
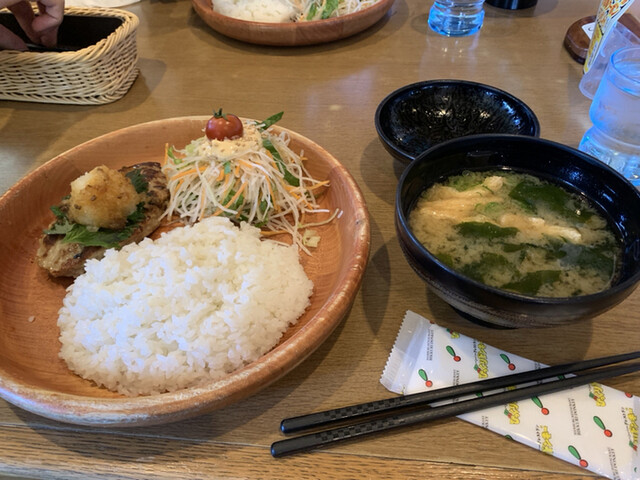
point(183, 310)
point(271, 11)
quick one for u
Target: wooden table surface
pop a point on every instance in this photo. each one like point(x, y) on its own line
point(329, 93)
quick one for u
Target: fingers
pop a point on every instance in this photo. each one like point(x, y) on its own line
point(10, 40)
point(24, 15)
point(43, 28)
point(46, 24)
point(51, 15)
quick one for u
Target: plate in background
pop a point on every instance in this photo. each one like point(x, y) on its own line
point(292, 34)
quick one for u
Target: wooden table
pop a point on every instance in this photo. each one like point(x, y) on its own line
point(329, 93)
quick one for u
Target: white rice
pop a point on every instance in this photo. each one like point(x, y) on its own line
point(272, 11)
point(181, 311)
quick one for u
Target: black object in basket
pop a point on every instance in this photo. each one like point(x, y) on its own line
point(95, 61)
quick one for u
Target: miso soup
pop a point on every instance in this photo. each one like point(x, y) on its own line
point(517, 232)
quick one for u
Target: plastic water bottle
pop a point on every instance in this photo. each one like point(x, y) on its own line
point(615, 113)
point(455, 18)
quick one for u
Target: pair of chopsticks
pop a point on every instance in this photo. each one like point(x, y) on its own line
point(410, 409)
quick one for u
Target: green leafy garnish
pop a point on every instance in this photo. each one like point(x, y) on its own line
point(61, 227)
point(531, 283)
point(172, 156)
point(464, 181)
point(270, 121)
point(57, 211)
point(313, 9)
point(533, 195)
point(288, 177)
point(103, 237)
point(329, 8)
point(485, 230)
point(445, 258)
point(489, 264)
point(137, 180)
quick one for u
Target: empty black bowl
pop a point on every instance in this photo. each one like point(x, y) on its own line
point(608, 191)
point(417, 117)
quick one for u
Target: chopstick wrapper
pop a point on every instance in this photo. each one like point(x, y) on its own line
point(594, 427)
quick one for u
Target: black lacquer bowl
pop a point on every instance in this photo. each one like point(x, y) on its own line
point(618, 200)
point(417, 117)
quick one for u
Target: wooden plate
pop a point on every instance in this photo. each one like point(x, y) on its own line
point(291, 34)
point(33, 377)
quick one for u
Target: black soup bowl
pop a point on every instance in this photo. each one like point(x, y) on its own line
point(605, 189)
point(416, 117)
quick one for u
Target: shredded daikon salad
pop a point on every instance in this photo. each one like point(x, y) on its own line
point(323, 9)
point(255, 178)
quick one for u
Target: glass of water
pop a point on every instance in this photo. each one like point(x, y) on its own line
point(615, 113)
point(456, 18)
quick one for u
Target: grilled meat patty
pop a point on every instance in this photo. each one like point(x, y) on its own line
point(67, 259)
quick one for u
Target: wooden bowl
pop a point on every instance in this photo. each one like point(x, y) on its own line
point(291, 34)
point(33, 377)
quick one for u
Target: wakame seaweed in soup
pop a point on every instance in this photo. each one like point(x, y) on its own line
point(517, 232)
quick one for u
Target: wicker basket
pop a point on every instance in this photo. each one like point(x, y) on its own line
point(100, 73)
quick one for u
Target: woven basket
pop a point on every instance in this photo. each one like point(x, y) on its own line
point(100, 73)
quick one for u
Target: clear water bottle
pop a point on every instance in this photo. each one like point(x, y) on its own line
point(615, 113)
point(455, 18)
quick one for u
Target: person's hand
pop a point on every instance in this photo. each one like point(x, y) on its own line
point(41, 29)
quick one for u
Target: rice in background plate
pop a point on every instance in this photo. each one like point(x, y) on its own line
point(271, 11)
point(183, 310)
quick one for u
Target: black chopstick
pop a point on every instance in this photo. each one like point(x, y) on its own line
point(338, 415)
point(314, 440)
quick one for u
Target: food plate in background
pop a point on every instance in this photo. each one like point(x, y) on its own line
point(33, 377)
point(294, 33)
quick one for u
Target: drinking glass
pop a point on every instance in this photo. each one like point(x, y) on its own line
point(615, 113)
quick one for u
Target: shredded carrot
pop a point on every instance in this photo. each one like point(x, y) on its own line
point(246, 164)
point(190, 171)
point(233, 199)
point(166, 154)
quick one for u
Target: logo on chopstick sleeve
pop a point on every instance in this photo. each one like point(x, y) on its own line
point(581, 461)
point(506, 360)
point(453, 334)
point(543, 410)
point(631, 422)
point(598, 421)
point(452, 352)
point(544, 439)
point(596, 392)
point(424, 376)
point(482, 363)
point(512, 411)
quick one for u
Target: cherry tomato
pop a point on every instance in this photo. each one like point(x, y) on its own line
point(223, 125)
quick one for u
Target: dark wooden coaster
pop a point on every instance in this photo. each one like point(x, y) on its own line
point(577, 42)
